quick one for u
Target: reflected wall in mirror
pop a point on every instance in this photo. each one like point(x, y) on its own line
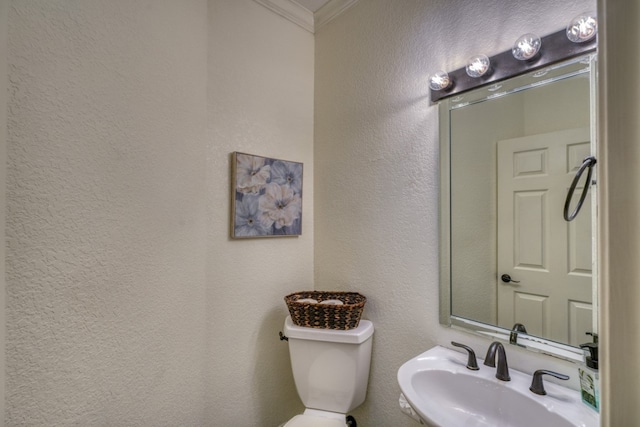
point(509, 155)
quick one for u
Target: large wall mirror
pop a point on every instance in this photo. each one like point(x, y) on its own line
point(509, 155)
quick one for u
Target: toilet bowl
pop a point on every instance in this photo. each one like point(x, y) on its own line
point(330, 370)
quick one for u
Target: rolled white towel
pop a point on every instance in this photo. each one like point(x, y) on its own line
point(332, 302)
point(406, 409)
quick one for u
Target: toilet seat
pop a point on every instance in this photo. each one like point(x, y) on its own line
point(314, 421)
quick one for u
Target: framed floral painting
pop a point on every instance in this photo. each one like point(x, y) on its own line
point(266, 197)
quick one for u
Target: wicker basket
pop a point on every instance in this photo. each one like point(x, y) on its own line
point(326, 316)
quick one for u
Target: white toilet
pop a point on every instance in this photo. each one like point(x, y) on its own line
point(331, 371)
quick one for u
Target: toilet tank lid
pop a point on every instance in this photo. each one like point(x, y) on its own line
point(351, 336)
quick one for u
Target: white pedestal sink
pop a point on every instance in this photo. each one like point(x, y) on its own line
point(440, 388)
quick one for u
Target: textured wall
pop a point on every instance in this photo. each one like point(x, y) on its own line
point(260, 102)
point(127, 302)
point(106, 301)
point(376, 157)
point(4, 13)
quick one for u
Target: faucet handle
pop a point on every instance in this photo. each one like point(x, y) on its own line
point(537, 386)
point(472, 363)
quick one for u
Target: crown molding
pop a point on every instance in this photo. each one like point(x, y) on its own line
point(303, 17)
point(292, 11)
point(330, 11)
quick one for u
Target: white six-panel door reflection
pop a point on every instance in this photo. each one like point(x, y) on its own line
point(551, 258)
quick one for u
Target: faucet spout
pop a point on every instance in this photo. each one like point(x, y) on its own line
point(513, 336)
point(502, 373)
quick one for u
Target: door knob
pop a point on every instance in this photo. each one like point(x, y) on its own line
point(506, 279)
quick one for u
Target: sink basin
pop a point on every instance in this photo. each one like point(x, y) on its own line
point(440, 388)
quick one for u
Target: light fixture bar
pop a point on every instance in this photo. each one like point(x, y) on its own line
point(556, 47)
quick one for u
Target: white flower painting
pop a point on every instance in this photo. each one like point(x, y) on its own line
point(267, 197)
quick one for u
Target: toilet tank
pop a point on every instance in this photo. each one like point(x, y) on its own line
point(330, 367)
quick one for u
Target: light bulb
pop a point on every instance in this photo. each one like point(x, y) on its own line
point(439, 80)
point(526, 47)
point(478, 66)
point(582, 28)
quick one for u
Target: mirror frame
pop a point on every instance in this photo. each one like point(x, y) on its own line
point(520, 81)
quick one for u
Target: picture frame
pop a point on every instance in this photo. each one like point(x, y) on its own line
point(266, 197)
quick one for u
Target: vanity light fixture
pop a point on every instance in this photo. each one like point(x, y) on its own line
point(440, 80)
point(526, 47)
point(582, 28)
point(526, 56)
point(478, 66)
